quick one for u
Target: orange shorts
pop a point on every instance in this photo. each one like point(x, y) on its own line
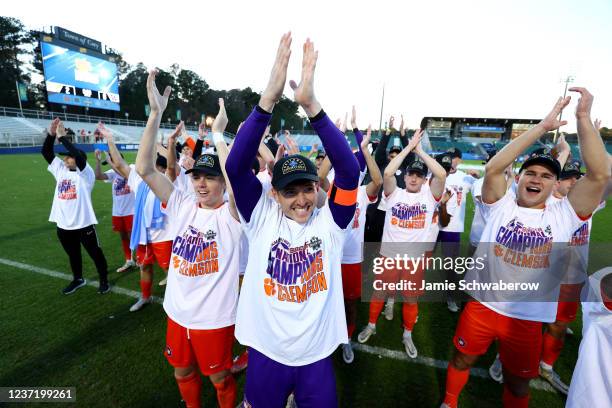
point(123, 224)
point(520, 341)
point(210, 350)
point(351, 281)
point(404, 276)
point(156, 251)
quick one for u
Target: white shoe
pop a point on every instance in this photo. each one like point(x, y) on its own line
point(127, 265)
point(347, 353)
point(452, 306)
point(495, 371)
point(569, 331)
point(163, 281)
point(389, 310)
point(140, 304)
point(409, 346)
point(366, 333)
point(291, 401)
point(554, 380)
point(444, 406)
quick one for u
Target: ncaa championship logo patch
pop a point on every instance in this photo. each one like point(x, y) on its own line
point(206, 161)
point(293, 164)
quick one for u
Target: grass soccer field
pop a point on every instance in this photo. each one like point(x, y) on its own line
point(114, 357)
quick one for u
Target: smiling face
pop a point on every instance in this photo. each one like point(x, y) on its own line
point(535, 185)
point(297, 200)
point(209, 189)
point(414, 181)
point(187, 151)
point(70, 163)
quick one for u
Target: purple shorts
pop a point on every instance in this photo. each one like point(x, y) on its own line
point(269, 383)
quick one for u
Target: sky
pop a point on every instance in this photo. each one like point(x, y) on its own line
point(470, 58)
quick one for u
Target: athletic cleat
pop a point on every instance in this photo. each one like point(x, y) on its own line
point(409, 346)
point(365, 334)
point(140, 304)
point(73, 286)
point(444, 406)
point(104, 288)
point(163, 281)
point(554, 380)
point(452, 306)
point(389, 310)
point(348, 355)
point(569, 331)
point(126, 266)
point(495, 371)
point(240, 362)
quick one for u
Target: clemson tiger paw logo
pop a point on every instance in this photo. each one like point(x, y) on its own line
point(269, 287)
point(176, 261)
point(499, 250)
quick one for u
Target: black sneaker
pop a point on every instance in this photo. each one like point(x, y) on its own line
point(104, 288)
point(73, 286)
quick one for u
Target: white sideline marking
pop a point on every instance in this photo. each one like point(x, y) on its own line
point(379, 351)
point(65, 276)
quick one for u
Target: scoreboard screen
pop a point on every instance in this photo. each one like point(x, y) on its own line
point(82, 79)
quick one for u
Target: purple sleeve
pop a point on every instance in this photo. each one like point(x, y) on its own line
point(344, 163)
point(359, 153)
point(247, 188)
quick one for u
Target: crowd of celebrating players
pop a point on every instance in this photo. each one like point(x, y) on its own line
point(263, 246)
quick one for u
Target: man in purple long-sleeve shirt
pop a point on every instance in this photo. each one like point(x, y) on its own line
point(291, 311)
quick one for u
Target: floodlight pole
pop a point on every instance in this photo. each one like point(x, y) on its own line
point(567, 80)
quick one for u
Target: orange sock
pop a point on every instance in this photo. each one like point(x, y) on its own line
point(125, 244)
point(410, 311)
point(376, 306)
point(455, 381)
point(190, 388)
point(511, 400)
point(226, 392)
point(551, 348)
point(351, 329)
point(145, 288)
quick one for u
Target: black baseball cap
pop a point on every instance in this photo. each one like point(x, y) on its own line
point(208, 164)
point(395, 149)
point(571, 169)
point(255, 166)
point(161, 161)
point(293, 168)
point(68, 154)
point(321, 154)
point(445, 160)
point(490, 155)
point(454, 152)
point(417, 166)
point(545, 158)
point(272, 145)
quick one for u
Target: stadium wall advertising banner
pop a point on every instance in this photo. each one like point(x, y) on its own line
point(76, 78)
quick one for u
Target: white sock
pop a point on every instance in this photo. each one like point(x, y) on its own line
point(407, 333)
point(545, 366)
point(372, 325)
point(390, 301)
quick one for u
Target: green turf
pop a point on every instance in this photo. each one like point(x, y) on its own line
point(114, 357)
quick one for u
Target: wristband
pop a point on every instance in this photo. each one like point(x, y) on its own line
point(217, 137)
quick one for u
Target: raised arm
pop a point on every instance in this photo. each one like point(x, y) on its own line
point(437, 171)
point(494, 184)
point(359, 139)
point(247, 187)
point(343, 193)
point(218, 127)
point(116, 162)
point(145, 159)
point(389, 182)
point(323, 171)
point(563, 150)
point(100, 175)
point(587, 192)
point(376, 181)
point(171, 167)
point(380, 155)
point(403, 138)
point(47, 148)
point(78, 158)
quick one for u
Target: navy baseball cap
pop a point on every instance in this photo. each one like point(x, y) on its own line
point(68, 154)
point(571, 169)
point(321, 154)
point(395, 149)
point(208, 164)
point(417, 166)
point(445, 160)
point(455, 152)
point(545, 158)
point(293, 168)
